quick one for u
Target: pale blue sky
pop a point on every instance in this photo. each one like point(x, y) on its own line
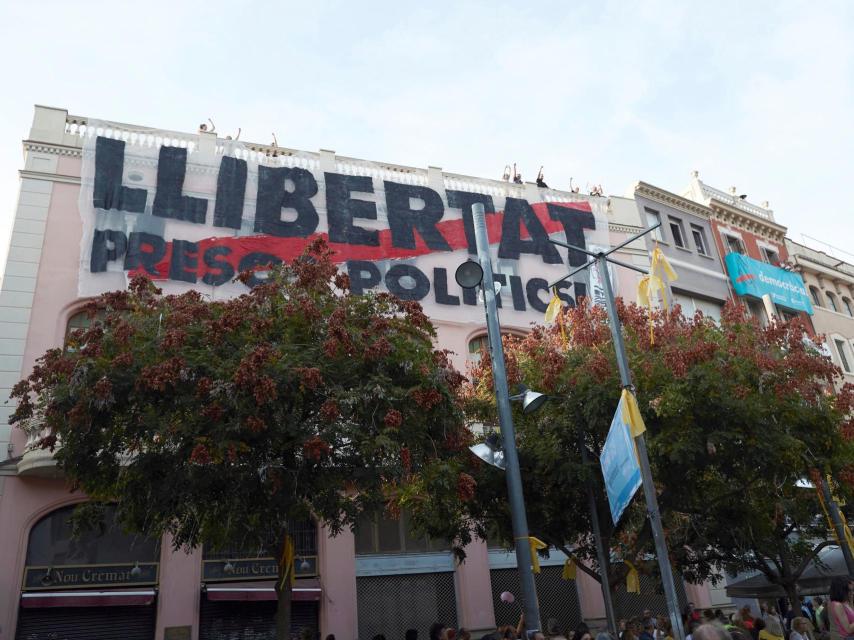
point(759, 95)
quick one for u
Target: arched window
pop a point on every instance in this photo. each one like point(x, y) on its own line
point(55, 556)
point(832, 300)
point(79, 321)
point(816, 299)
point(848, 308)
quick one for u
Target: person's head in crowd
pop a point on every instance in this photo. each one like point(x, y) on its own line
point(711, 632)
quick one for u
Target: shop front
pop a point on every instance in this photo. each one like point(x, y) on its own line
point(99, 585)
point(238, 590)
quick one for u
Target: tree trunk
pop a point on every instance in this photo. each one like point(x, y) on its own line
point(283, 609)
point(794, 597)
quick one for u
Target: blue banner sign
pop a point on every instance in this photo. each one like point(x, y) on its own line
point(620, 465)
point(755, 278)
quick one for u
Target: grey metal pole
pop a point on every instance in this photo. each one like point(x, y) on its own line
point(643, 458)
point(508, 434)
point(601, 554)
point(836, 518)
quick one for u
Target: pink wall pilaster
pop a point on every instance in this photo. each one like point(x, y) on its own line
point(590, 597)
point(699, 595)
point(180, 589)
point(474, 594)
point(338, 581)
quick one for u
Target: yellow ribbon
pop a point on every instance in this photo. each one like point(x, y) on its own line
point(553, 314)
point(632, 414)
point(849, 539)
point(536, 544)
point(286, 563)
point(632, 578)
point(659, 271)
point(569, 569)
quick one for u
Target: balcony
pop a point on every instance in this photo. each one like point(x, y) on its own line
point(37, 462)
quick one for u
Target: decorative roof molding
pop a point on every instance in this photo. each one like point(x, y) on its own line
point(672, 200)
point(624, 228)
point(55, 149)
point(748, 222)
point(51, 177)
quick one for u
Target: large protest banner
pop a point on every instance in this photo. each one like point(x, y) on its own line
point(193, 219)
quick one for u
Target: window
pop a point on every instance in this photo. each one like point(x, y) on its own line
point(677, 232)
point(840, 347)
point(79, 322)
point(691, 305)
point(816, 300)
point(652, 219)
point(832, 300)
point(699, 240)
point(478, 346)
point(770, 256)
point(386, 535)
point(733, 244)
point(848, 308)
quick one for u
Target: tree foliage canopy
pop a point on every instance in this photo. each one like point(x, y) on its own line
point(731, 410)
point(219, 422)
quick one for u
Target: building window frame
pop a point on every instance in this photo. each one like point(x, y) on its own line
point(770, 255)
point(846, 302)
point(816, 296)
point(653, 217)
point(700, 242)
point(843, 351)
point(733, 243)
point(831, 300)
point(677, 232)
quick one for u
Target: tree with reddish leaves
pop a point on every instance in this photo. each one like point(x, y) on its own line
point(220, 423)
point(736, 415)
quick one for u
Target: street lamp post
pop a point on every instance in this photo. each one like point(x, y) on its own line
point(600, 260)
point(508, 435)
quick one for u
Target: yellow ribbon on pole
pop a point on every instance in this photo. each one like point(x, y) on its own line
point(659, 271)
point(286, 563)
point(632, 414)
point(569, 569)
point(849, 538)
point(536, 544)
point(632, 578)
point(553, 314)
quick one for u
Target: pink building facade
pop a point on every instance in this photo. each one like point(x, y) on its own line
point(378, 580)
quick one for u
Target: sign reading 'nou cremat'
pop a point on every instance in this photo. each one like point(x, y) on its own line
point(191, 219)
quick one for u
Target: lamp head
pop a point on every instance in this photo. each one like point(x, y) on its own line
point(489, 455)
point(531, 400)
point(469, 274)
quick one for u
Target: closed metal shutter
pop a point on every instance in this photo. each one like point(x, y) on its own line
point(558, 598)
point(392, 604)
point(223, 620)
point(651, 596)
point(87, 623)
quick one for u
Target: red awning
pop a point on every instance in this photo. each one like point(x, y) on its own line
point(306, 589)
point(44, 599)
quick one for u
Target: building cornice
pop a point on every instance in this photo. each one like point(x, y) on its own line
point(51, 177)
point(815, 266)
point(671, 199)
point(55, 149)
point(770, 230)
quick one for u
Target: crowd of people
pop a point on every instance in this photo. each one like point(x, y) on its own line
point(830, 618)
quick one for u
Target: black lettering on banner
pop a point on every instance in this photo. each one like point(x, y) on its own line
point(363, 275)
point(219, 271)
point(251, 261)
point(398, 271)
point(561, 288)
point(501, 279)
point(230, 193)
point(102, 254)
point(341, 208)
point(580, 290)
point(518, 293)
point(533, 288)
point(403, 220)
point(144, 250)
point(518, 211)
point(574, 223)
point(440, 284)
point(184, 262)
point(168, 200)
point(470, 296)
point(273, 197)
point(463, 200)
point(108, 192)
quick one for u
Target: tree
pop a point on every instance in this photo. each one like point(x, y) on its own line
point(221, 422)
point(731, 409)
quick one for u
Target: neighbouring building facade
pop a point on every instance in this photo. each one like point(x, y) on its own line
point(686, 239)
point(752, 247)
point(830, 282)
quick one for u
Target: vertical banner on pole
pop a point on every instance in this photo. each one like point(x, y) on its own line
point(620, 464)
